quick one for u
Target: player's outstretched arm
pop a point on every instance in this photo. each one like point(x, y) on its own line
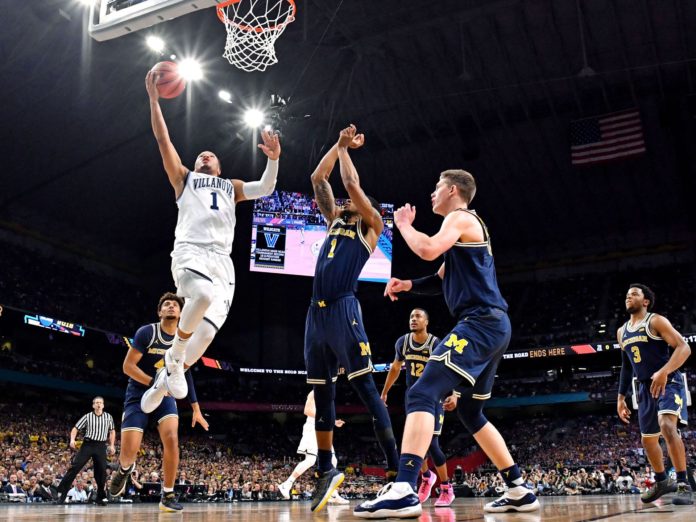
point(662, 327)
point(351, 180)
point(428, 285)
point(454, 226)
point(244, 190)
point(176, 172)
point(392, 376)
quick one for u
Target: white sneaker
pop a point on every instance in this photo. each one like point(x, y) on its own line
point(284, 490)
point(338, 499)
point(395, 500)
point(528, 502)
point(176, 380)
point(153, 396)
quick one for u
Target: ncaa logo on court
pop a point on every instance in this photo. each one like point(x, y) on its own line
point(271, 239)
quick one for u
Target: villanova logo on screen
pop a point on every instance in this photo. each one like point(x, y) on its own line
point(271, 239)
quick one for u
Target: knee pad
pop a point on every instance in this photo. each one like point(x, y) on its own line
point(199, 293)
point(470, 412)
point(324, 395)
point(199, 342)
point(436, 452)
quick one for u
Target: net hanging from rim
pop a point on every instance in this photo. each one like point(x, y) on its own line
point(252, 28)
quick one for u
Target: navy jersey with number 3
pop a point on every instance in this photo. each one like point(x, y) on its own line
point(645, 349)
point(341, 259)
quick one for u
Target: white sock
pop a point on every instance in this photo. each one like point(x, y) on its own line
point(167, 490)
point(517, 492)
point(179, 348)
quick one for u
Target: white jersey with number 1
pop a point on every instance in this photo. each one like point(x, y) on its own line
point(206, 213)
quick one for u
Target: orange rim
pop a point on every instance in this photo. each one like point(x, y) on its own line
point(223, 17)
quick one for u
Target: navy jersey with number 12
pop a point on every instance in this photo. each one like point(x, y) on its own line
point(416, 355)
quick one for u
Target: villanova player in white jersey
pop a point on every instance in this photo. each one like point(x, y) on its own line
point(201, 263)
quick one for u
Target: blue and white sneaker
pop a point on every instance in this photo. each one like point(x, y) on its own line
point(395, 500)
point(506, 503)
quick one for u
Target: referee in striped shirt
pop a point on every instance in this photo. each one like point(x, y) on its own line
point(97, 427)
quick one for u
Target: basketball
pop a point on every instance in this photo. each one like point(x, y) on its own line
point(170, 83)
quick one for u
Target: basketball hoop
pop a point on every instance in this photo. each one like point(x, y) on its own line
point(252, 28)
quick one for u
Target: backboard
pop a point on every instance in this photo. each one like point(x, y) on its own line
point(113, 18)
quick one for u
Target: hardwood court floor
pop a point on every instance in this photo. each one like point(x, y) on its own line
point(556, 509)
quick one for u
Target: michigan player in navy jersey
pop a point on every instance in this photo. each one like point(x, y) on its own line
point(646, 340)
point(468, 355)
point(334, 332)
point(144, 357)
point(412, 352)
point(201, 263)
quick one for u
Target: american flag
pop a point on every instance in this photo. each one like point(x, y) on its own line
point(605, 138)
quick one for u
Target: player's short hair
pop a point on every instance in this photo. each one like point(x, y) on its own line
point(98, 397)
point(463, 180)
point(647, 292)
point(425, 312)
point(170, 296)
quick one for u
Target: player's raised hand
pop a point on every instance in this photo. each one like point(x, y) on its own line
point(197, 417)
point(659, 383)
point(404, 216)
point(270, 145)
point(339, 423)
point(623, 411)
point(358, 141)
point(345, 138)
point(394, 286)
point(450, 403)
point(151, 85)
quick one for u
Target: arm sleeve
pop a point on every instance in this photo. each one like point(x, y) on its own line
point(192, 398)
point(399, 347)
point(428, 285)
point(264, 186)
point(626, 374)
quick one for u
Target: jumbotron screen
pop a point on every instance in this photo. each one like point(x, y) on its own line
point(288, 231)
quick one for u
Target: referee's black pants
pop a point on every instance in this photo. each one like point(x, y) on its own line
point(90, 449)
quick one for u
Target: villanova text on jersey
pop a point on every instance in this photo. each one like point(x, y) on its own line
point(206, 213)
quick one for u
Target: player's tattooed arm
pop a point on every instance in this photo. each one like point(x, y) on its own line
point(325, 199)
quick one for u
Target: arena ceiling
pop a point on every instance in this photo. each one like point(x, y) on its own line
point(490, 86)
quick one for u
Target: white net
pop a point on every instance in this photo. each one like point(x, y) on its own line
point(252, 27)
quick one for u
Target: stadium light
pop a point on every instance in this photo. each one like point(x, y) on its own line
point(86, 2)
point(225, 96)
point(155, 43)
point(190, 69)
point(254, 118)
